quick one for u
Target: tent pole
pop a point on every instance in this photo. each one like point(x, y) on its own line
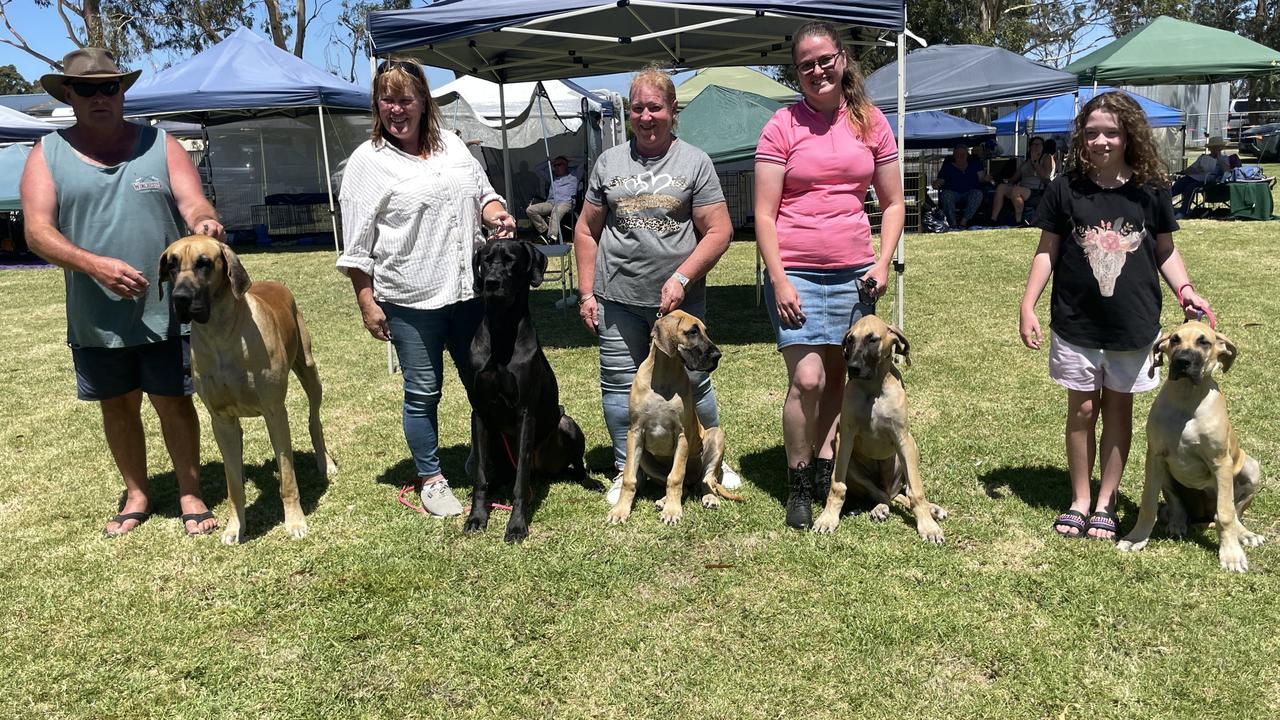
point(900, 254)
point(506, 153)
point(328, 182)
point(546, 147)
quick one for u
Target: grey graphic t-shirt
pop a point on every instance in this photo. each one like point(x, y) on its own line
point(648, 227)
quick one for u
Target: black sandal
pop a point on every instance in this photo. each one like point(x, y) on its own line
point(1072, 519)
point(196, 518)
point(1105, 521)
point(121, 519)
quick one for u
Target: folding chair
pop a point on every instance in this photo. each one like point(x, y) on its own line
point(559, 268)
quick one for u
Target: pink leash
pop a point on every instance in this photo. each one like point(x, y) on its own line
point(412, 486)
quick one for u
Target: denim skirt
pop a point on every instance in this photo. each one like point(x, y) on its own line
point(830, 300)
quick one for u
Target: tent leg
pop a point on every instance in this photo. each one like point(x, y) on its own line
point(506, 153)
point(328, 182)
point(900, 253)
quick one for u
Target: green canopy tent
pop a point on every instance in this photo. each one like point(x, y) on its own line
point(1169, 51)
point(725, 123)
point(736, 78)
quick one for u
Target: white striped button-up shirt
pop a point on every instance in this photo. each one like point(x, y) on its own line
point(412, 224)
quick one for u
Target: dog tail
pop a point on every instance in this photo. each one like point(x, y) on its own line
point(719, 489)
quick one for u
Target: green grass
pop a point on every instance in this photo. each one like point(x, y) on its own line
point(382, 613)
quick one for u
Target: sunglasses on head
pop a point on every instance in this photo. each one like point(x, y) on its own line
point(89, 89)
point(409, 67)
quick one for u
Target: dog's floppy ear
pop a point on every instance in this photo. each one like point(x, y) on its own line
point(664, 336)
point(901, 345)
point(477, 282)
point(236, 274)
point(537, 264)
point(1226, 351)
point(164, 273)
point(1157, 354)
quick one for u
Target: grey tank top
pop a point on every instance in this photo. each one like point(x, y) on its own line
point(125, 211)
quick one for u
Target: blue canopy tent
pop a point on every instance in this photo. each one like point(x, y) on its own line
point(511, 40)
point(20, 127)
point(935, 129)
point(1055, 114)
point(245, 76)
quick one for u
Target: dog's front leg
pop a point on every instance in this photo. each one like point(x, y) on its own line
point(518, 524)
point(829, 519)
point(671, 510)
point(278, 430)
point(1230, 531)
point(621, 510)
point(1157, 478)
point(711, 457)
point(478, 519)
point(909, 455)
point(230, 439)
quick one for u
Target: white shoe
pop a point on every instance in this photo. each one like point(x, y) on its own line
point(615, 491)
point(730, 479)
point(438, 499)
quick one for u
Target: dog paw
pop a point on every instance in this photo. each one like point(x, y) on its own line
point(297, 529)
point(1250, 539)
point(1132, 543)
point(618, 515)
point(329, 468)
point(475, 525)
point(516, 533)
point(1175, 530)
point(231, 535)
point(930, 531)
point(826, 523)
point(670, 515)
point(1233, 559)
point(937, 511)
point(879, 513)
point(710, 501)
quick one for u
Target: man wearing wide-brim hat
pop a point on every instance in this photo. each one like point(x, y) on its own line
point(102, 199)
point(1212, 166)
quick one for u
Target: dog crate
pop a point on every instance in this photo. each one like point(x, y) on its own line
point(308, 219)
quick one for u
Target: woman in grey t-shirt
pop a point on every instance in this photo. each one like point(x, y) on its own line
point(653, 225)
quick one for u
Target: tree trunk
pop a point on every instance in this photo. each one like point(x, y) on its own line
point(277, 26)
point(300, 35)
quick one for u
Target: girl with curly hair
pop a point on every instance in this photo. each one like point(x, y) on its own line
point(1106, 238)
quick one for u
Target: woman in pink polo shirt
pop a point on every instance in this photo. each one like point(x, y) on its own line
point(814, 164)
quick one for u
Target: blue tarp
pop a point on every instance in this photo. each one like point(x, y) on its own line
point(935, 129)
point(592, 37)
point(12, 160)
point(242, 75)
point(1055, 114)
point(941, 77)
point(18, 127)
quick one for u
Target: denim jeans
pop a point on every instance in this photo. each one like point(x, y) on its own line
point(420, 338)
point(624, 344)
point(972, 201)
point(1186, 187)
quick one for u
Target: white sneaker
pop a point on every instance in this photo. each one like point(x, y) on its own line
point(615, 491)
point(730, 479)
point(438, 499)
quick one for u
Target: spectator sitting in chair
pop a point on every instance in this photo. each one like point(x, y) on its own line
point(960, 179)
point(1032, 175)
point(1212, 166)
point(545, 216)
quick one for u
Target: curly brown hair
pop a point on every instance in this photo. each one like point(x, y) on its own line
point(404, 76)
point(1139, 146)
point(851, 85)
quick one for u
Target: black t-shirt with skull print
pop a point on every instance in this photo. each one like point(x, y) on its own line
point(1106, 280)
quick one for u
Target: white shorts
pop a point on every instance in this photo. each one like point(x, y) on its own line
point(1086, 369)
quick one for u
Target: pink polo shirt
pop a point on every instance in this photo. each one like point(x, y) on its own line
point(821, 222)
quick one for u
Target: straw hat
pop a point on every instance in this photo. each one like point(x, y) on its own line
point(89, 63)
point(1216, 142)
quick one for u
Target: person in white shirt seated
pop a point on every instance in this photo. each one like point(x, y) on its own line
point(545, 216)
point(1212, 166)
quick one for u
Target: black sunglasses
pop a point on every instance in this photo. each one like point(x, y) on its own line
point(89, 89)
point(410, 67)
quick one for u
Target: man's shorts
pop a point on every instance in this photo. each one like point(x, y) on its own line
point(1089, 369)
point(161, 368)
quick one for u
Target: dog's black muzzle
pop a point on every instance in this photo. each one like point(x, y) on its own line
point(860, 364)
point(1187, 364)
point(190, 304)
point(701, 357)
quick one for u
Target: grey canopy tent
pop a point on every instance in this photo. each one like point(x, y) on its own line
point(510, 40)
point(943, 77)
point(18, 127)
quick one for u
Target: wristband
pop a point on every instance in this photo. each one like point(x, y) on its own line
point(1182, 287)
point(680, 279)
point(584, 297)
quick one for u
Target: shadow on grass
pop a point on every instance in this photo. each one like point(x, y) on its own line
point(266, 511)
point(1048, 487)
point(767, 470)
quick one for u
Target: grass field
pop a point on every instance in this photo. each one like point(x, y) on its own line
point(383, 613)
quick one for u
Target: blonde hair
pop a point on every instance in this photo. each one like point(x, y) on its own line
point(1140, 152)
point(655, 76)
point(404, 76)
point(851, 85)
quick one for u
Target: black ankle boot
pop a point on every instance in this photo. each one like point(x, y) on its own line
point(799, 501)
point(822, 468)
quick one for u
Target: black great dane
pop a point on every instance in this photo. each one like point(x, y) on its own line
point(519, 427)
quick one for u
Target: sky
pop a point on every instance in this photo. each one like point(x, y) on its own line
point(44, 31)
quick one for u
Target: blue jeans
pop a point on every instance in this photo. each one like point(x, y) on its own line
point(420, 338)
point(972, 201)
point(624, 344)
point(1186, 187)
